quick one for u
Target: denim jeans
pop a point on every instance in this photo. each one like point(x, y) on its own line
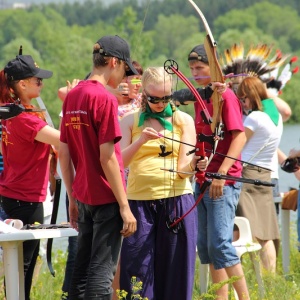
point(99, 242)
point(215, 227)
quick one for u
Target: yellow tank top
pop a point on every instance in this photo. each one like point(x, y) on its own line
point(146, 180)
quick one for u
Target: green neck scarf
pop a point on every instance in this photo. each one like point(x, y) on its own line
point(271, 110)
point(167, 112)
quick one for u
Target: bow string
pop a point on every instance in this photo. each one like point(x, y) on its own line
point(171, 67)
point(215, 121)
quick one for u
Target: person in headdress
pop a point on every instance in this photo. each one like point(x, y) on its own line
point(258, 63)
point(216, 210)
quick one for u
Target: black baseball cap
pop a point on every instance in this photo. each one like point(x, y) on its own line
point(115, 46)
point(198, 53)
point(22, 67)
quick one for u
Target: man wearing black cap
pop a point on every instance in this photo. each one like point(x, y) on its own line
point(216, 211)
point(90, 133)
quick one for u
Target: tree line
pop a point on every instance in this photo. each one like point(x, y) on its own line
point(60, 36)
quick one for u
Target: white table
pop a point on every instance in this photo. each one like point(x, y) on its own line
point(12, 244)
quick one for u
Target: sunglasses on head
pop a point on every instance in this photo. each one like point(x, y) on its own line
point(156, 100)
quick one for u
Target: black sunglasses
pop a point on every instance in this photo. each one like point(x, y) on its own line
point(156, 100)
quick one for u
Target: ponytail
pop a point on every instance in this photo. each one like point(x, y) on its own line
point(7, 94)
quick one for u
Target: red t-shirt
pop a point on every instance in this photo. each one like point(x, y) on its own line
point(232, 120)
point(90, 119)
point(26, 173)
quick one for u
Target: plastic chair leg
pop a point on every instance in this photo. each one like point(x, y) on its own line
point(257, 269)
point(204, 277)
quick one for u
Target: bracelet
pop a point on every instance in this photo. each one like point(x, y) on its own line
point(192, 169)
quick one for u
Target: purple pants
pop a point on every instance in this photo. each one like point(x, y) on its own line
point(162, 260)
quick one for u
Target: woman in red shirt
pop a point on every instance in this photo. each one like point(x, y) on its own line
point(26, 141)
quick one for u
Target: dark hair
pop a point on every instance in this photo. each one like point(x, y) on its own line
point(138, 67)
point(8, 93)
point(100, 60)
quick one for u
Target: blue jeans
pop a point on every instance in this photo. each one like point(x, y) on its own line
point(99, 243)
point(215, 227)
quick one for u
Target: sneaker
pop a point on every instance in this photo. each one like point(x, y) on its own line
point(64, 296)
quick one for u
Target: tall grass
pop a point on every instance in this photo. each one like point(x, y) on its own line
point(277, 287)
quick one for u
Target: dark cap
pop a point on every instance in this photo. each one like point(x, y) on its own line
point(198, 53)
point(22, 67)
point(113, 45)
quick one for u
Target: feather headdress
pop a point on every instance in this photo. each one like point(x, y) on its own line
point(257, 61)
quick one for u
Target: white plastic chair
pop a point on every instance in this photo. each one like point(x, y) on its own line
point(243, 245)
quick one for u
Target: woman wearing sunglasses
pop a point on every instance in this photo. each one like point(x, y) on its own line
point(263, 128)
point(128, 92)
point(26, 141)
point(162, 257)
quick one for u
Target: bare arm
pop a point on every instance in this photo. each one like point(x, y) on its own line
point(120, 91)
point(294, 153)
point(63, 91)
point(67, 171)
point(235, 149)
point(237, 143)
point(48, 135)
point(281, 156)
point(128, 148)
point(185, 162)
point(110, 164)
point(283, 108)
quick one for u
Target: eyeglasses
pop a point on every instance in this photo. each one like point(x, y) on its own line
point(156, 100)
point(39, 81)
point(243, 100)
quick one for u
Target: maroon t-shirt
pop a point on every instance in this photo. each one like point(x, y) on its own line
point(232, 120)
point(90, 119)
point(26, 161)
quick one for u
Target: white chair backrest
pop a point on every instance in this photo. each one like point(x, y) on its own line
point(244, 230)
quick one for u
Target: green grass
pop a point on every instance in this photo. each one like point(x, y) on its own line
point(277, 287)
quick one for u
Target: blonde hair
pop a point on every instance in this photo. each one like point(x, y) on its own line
point(155, 76)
